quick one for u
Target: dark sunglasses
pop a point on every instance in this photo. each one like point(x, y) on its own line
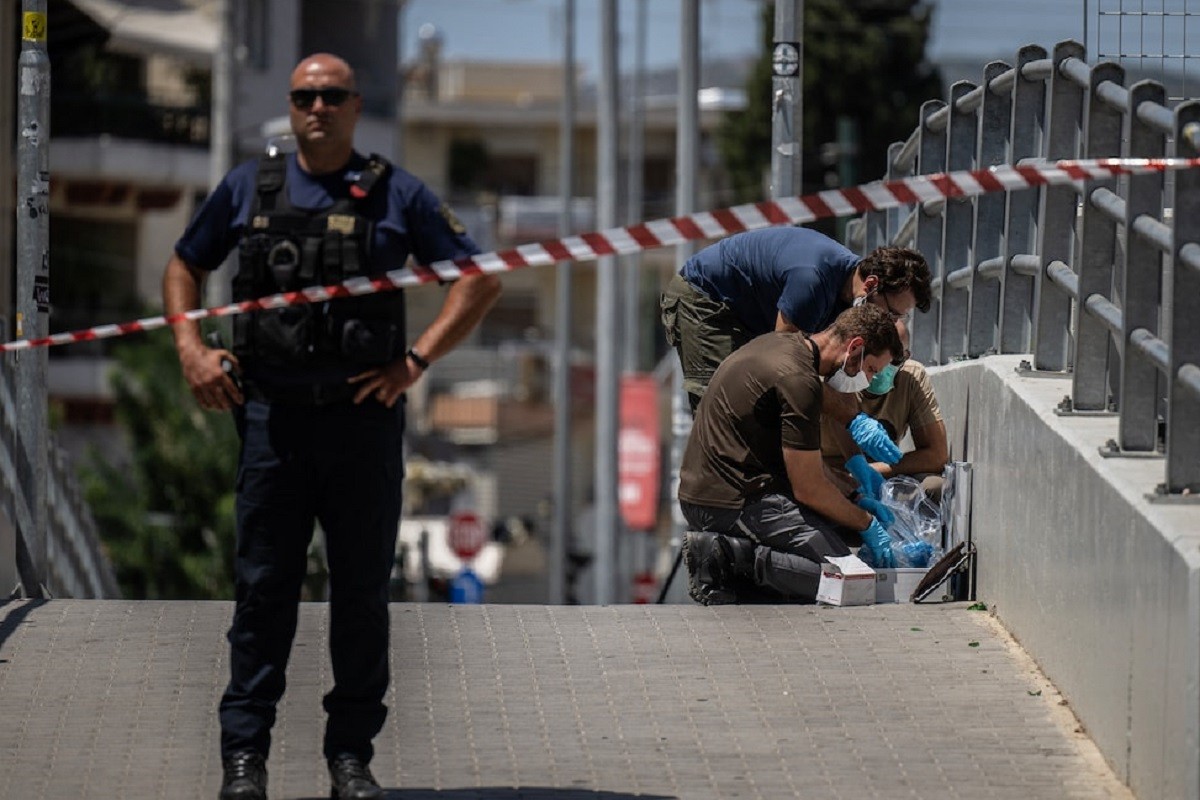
point(305, 98)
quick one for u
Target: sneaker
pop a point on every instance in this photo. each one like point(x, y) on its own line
point(705, 576)
point(245, 776)
point(352, 780)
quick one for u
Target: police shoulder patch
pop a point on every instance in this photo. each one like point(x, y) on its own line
point(452, 220)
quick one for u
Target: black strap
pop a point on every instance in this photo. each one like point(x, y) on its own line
point(272, 170)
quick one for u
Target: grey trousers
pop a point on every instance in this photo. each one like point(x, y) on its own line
point(790, 541)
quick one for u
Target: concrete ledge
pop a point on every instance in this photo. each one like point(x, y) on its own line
point(1101, 586)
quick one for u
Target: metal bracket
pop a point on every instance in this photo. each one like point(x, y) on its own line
point(1066, 408)
point(1161, 495)
point(1025, 370)
point(1111, 449)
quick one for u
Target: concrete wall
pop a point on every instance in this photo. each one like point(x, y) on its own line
point(1101, 586)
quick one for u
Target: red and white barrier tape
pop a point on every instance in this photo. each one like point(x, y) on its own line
point(878, 196)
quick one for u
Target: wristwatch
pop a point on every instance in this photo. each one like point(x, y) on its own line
point(418, 359)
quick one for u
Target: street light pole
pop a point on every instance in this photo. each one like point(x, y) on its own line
point(607, 312)
point(33, 287)
point(560, 539)
point(787, 99)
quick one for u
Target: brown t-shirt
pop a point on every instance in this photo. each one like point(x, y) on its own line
point(910, 404)
point(763, 398)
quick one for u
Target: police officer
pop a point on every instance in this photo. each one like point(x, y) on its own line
point(316, 407)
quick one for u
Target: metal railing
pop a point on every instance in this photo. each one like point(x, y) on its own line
point(75, 560)
point(1100, 280)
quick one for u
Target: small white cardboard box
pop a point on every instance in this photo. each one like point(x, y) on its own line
point(897, 585)
point(846, 581)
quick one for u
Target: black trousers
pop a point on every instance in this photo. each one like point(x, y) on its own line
point(790, 541)
point(340, 465)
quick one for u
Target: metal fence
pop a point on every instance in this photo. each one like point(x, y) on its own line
point(76, 564)
point(1100, 280)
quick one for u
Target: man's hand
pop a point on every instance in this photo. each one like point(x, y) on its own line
point(878, 544)
point(869, 434)
point(870, 482)
point(213, 387)
point(386, 383)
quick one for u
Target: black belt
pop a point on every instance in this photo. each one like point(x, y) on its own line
point(301, 394)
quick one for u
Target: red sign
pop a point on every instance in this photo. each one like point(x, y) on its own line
point(638, 453)
point(645, 588)
point(466, 534)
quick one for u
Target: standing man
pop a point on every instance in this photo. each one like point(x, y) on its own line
point(782, 279)
point(316, 407)
point(752, 486)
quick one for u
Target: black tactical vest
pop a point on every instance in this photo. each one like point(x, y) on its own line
point(285, 249)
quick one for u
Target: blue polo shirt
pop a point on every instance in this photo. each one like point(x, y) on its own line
point(409, 218)
point(794, 271)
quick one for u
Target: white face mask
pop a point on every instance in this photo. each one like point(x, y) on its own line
point(849, 384)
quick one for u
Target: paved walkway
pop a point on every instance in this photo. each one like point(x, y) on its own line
point(108, 699)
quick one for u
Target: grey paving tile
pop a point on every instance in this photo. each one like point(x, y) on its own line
point(107, 699)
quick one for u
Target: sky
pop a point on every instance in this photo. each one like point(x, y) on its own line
point(532, 29)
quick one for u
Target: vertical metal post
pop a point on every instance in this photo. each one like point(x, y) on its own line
point(983, 317)
point(33, 281)
point(563, 313)
point(894, 217)
point(8, 82)
point(631, 266)
point(931, 158)
point(957, 234)
point(1141, 292)
point(607, 312)
point(687, 162)
point(787, 99)
point(1183, 407)
point(1056, 227)
point(218, 288)
point(1022, 208)
point(1098, 248)
point(878, 231)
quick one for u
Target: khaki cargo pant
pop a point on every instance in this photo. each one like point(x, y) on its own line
point(703, 332)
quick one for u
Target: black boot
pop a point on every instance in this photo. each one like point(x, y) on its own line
point(352, 780)
point(707, 581)
point(245, 777)
point(738, 566)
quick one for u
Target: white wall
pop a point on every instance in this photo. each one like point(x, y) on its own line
point(1099, 585)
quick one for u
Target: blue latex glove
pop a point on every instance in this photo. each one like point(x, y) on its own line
point(877, 541)
point(869, 480)
point(873, 440)
point(877, 509)
point(918, 553)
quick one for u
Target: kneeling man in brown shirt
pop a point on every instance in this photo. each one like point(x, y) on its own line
point(760, 506)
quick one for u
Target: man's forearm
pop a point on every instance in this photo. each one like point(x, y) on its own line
point(181, 292)
point(467, 301)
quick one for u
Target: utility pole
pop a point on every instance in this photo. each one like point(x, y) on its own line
point(787, 99)
point(632, 264)
point(563, 517)
point(218, 288)
point(687, 163)
point(33, 291)
point(607, 312)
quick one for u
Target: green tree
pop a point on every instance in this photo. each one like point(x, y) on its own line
point(167, 518)
point(863, 60)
